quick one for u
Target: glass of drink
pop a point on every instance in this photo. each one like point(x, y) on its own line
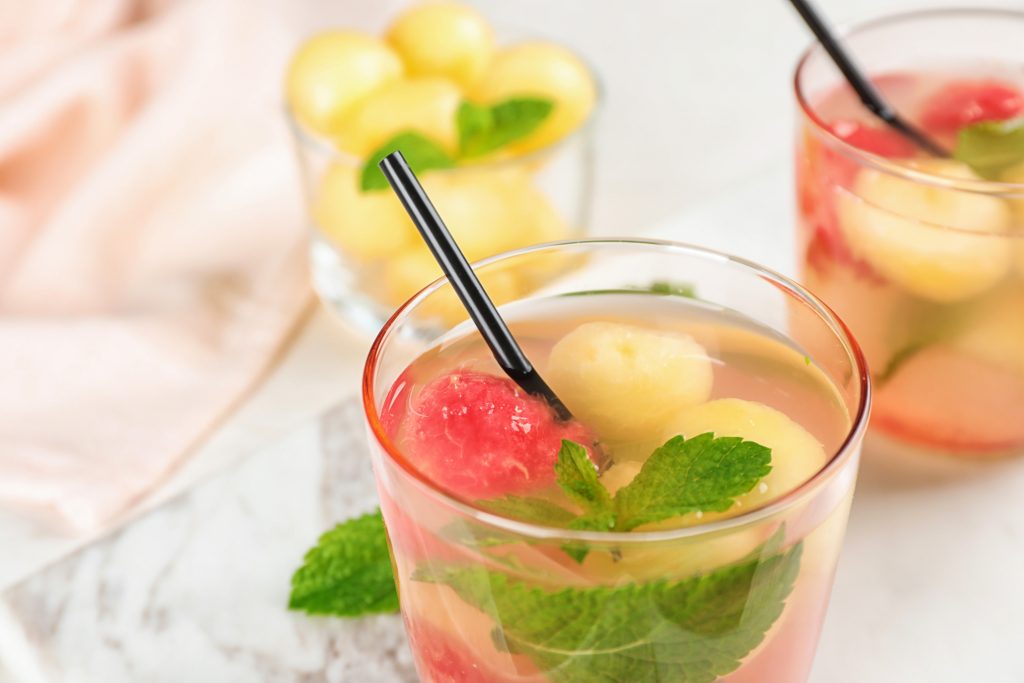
point(683, 525)
point(499, 129)
point(924, 257)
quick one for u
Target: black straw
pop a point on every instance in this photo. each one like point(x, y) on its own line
point(865, 89)
point(453, 263)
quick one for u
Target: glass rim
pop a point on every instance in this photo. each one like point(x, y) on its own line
point(324, 146)
point(806, 490)
point(845, 30)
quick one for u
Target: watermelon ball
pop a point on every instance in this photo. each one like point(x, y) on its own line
point(883, 142)
point(963, 103)
point(481, 436)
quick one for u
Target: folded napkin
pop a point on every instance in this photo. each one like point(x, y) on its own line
point(151, 241)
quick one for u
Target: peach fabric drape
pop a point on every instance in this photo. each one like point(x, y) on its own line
point(151, 239)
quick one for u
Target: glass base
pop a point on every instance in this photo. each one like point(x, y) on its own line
point(335, 284)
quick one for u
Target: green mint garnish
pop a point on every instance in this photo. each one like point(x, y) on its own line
point(991, 147)
point(577, 476)
point(667, 287)
point(526, 509)
point(348, 573)
point(484, 129)
point(702, 474)
point(420, 152)
point(690, 631)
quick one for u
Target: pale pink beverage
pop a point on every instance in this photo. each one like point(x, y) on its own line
point(528, 548)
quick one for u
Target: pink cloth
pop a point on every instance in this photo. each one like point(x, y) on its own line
point(151, 242)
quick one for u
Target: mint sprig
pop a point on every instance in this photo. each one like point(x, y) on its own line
point(481, 129)
point(484, 129)
point(690, 631)
point(348, 573)
point(991, 147)
point(421, 153)
point(701, 474)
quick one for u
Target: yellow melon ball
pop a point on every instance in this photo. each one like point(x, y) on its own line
point(482, 210)
point(624, 381)
point(540, 69)
point(796, 454)
point(416, 268)
point(620, 474)
point(365, 225)
point(331, 72)
point(446, 39)
point(669, 560)
point(936, 243)
point(423, 105)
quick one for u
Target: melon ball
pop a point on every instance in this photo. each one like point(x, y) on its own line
point(365, 225)
point(420, 105)
point(540, 69)
point(446, 39)
point(796, 454)
point(332, 72)
point(411, 271)
point(937, 243)
point(624, 381)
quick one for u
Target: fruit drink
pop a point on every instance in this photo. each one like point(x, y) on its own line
point(924, 257)
point(684, 526)
point(497, 130)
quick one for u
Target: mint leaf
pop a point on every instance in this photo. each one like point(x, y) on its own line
point(690, 631)
point(484, 129)
point(533, 510)
point(577, 476)
point(690, 475)
point(421, 153)
point(348, 573)
point(991, 147)
point(684, 289)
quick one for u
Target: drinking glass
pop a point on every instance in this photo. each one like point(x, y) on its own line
point(739, 599)
point(934, 295)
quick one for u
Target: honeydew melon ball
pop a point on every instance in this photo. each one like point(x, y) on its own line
point(540, 69)
point(448, 39)
point(365, 225)
point(625, 382)
point(937, 243)
point(414, 269)
point(332, 72)
point(796, 454)
point(419, 105)
point(486, 212)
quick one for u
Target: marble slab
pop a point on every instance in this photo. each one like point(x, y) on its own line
point(196, 590)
